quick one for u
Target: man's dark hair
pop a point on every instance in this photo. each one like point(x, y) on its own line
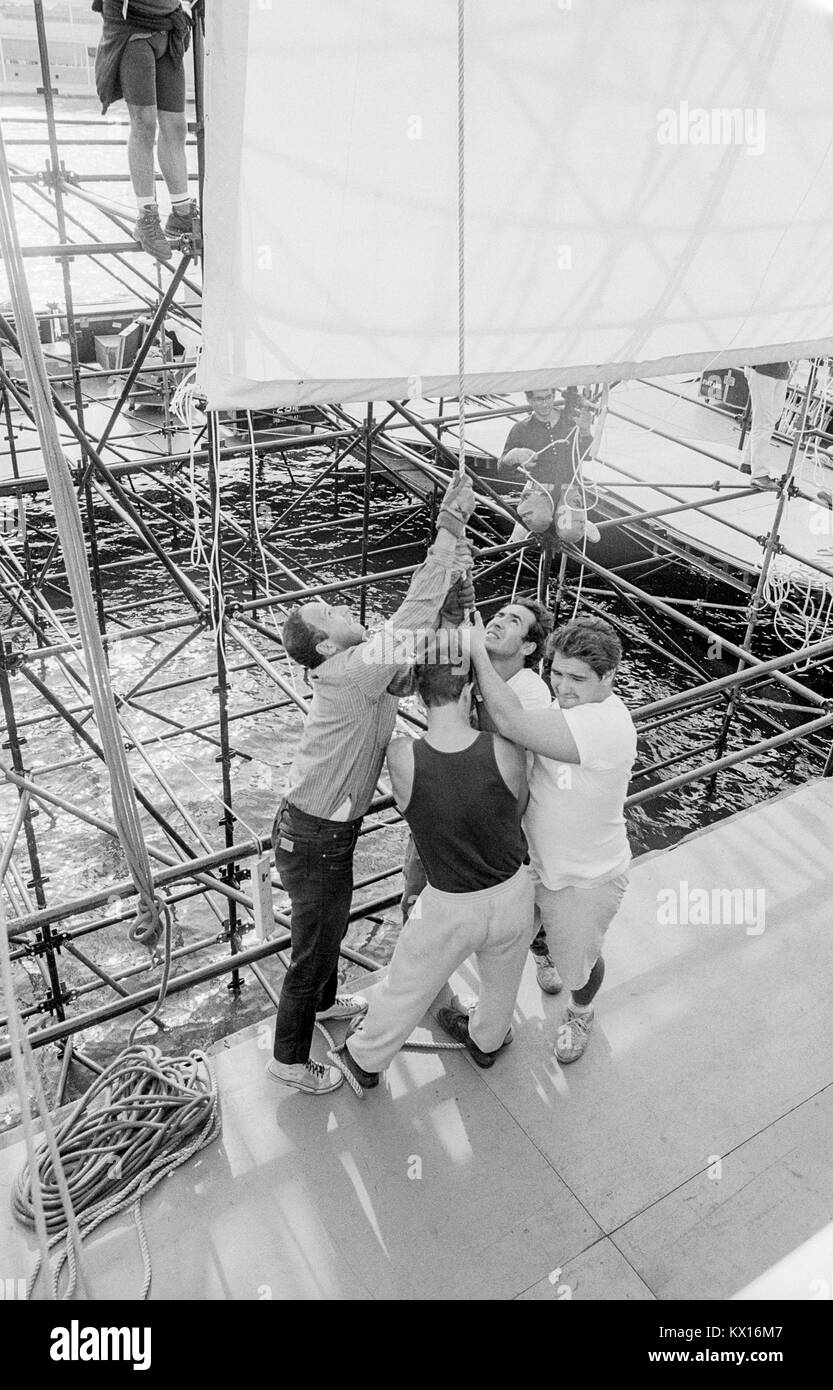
point(539, 630)
point(301, 640)
point(590, 640)
point(441, 682)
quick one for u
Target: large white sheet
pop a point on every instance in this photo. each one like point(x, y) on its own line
point(616, 223)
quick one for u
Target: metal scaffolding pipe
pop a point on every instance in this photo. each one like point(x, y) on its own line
point(730, 759)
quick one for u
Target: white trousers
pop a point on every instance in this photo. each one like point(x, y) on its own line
point(767, 394)
point(495, 925)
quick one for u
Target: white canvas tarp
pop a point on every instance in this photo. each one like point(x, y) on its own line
point(648, 188)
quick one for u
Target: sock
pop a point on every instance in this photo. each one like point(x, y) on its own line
point(145, 202)
point(181, 203)
point(580, 1008)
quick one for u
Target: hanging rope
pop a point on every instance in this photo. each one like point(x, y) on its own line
point(148, 924)
point(461, 236)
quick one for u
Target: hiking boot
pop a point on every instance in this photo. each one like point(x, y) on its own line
point(573, 1034)
point(344, 1006)
point(178, 225)
point(148, 232)
point(366, 1079)
point(548, 977)
point(309, 1076)
point(456, 1024)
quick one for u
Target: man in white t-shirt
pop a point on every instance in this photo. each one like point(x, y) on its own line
point(584, 747)
point(515, 639)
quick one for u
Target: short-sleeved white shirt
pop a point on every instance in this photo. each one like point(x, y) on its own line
point(531, 690)
point(575, 820)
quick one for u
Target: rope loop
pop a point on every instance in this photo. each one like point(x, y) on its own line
point(153, 917)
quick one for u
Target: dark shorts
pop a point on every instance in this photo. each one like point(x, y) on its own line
point(149, 80)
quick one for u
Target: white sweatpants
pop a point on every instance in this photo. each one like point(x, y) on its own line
point(495, 925)
point(767, 394)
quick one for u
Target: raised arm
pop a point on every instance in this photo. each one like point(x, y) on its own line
point(374, 664)
point(542, 731)
point(400, 760)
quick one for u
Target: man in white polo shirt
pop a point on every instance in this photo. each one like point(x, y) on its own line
point(584, 747)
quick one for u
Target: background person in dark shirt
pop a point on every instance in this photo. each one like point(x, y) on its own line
point(550, 426)
point(549, 445)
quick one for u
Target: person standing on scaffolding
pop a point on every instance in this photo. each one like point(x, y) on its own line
point(140, 57)
point(333, 778)
point(767, 394)
point(549, 446)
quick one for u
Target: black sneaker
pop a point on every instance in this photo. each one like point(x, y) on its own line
point(366, 1079)
point(148, 232)
point(456, 1024)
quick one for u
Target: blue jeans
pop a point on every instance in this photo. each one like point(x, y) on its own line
point(314, 858)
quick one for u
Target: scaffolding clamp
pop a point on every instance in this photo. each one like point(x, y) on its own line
point(763, 542)
point(10, 661)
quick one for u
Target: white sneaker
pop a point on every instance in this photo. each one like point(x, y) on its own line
point(308, 1076)
point(345, 1006)
point(573, 1034)
point(548, 977)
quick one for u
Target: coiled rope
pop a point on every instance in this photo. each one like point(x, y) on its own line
point(142, 1118)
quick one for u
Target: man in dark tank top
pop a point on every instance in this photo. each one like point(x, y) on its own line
point(462, 793)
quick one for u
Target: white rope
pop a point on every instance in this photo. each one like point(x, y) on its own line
point(801, 602)
point(412, 1045)
point(461, 235)
point(261, 551)
point(70, 529)
point(22, 1057)
point(141, 1119)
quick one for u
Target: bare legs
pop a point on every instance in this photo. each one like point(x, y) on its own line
point(173, 129)
point(140, 151)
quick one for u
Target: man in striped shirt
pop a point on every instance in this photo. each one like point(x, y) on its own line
point(332, 781)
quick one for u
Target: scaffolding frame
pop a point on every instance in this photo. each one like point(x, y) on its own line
point(250, 576)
